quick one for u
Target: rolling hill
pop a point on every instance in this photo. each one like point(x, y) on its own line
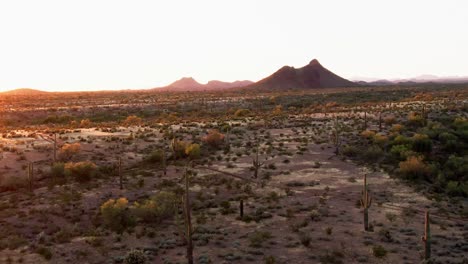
point(311, 76)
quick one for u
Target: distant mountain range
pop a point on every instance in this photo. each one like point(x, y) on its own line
point(24, 91)
point(311, 76)
point(422, 79)
point(189, 84)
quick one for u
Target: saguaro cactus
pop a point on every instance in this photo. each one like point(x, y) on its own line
point(164, 161)
point(174, 147)
point(366, 201)
point(55, 147)
point(257, 164)
point(365, 120)
point(427, 237)
point(31, 176)
point(336, 136)
point(188, 220)
point(380, 121)
point(119, 168)
point(241, 208)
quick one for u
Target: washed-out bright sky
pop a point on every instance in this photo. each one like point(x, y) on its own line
point(113, 44)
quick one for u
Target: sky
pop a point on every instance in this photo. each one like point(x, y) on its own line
point(113, 44)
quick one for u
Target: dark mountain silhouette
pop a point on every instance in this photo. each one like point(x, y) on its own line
point(311, 76)
point(189, 84)
point(24, 91)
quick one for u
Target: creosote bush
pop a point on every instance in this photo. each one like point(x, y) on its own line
point(159, 207)
point(214, 138)
point(116, 214)
point(193, 151)
point(82, 171)
point(135, 257)
point(414, 168)
point(67, 151)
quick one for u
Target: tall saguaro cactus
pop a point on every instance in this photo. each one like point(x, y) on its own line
point(380, 121)
point(188, 219)
point(55, 147)
point(336, 136)
point(31, 176)
point(241, 208)
point(257, 164)
point(365, 120)
point(164, 161)
point(119, 165)
point(427, 237)
point(366, 201)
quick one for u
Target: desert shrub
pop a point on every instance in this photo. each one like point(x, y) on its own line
point(444, 137)
point(159, 207)
point(116, 214)
point(135, 256)
point(402, 152)
point(334, 257)
point(305, 239)
point(132, 121)
point(214, 138)
point(13, 183)
point(193, 151)
point(456, 168)
point(242, 113)
point(257, 238)
point(44, 252)
point(414, 168)
point(401, 140)
point(373, 153)
point(421, 143)
point(155, 156)
point(397, 128)
point(380, 139)
point(57, 170)
point(349, 151)
point(82, 171)
point(85, 123)
point(415, 120)
point(270, 260)
point(379, 251)
point(389, 120)
point(178, 148)
point(67, 151)
point(367, 134)
point(456, 188)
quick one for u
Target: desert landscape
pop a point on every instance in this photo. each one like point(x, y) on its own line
point(106, 176)
point(233, 132)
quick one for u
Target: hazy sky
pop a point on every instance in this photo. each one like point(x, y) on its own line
point(112, 44)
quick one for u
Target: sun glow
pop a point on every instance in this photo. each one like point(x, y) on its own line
point(94, 45)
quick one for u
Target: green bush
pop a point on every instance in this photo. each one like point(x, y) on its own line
point(155, 156)
point(135, 256)
point(379, 251)
point(414, 168)
point(116, 215)
point(178, 148)
point(421, 143)
point(57, 170)
point(456, 168)
point(258, 237)
point(193, 151)
point(44, 252)
point(159, 207)
point(401, 152)
point(373, 153)
point(81, 171)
